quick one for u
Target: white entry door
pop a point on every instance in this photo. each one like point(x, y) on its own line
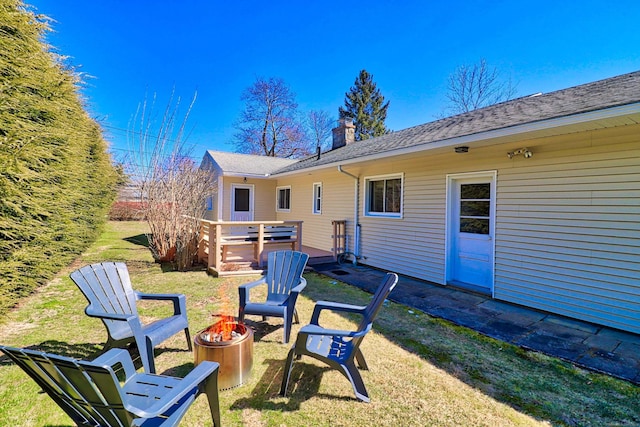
point(241, 202)
point(471, 223)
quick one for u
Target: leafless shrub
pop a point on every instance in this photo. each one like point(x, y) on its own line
point(173, 188)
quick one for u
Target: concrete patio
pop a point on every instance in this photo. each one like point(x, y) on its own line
point(594, 347)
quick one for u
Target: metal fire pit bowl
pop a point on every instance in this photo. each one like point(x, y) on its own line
point(235, 356)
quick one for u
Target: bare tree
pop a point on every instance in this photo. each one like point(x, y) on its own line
point(172, 186)
point(320, 124)
point(269, 124)
point(475, 86)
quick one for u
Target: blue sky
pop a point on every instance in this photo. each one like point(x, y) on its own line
point(134, 48)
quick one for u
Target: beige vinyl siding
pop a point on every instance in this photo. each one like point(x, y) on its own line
point(264, 204)
point(567, 223)
point(337, 204)
point(568, 235)
point(414, 244)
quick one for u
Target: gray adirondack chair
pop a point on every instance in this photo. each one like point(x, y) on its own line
point(107, 287)
point(284, 283)
point(91, 394)
point(337, 348)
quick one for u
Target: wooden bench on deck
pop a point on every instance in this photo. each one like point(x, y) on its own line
point(250, 236)
point(218, 237)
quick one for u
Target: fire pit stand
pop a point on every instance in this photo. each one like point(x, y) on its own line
point(235, 355)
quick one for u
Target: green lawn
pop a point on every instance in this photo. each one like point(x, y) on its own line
point(423, 371)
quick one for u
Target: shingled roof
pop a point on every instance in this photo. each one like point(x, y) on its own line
point(247, 164)
point(599, 95)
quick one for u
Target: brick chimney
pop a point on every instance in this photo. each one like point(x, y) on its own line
point(344, 134)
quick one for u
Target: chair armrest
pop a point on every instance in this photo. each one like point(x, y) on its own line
point(253, 284)
point(131, 319)
point(179, 300)
point(91, 311)
point(196, 377)
point(334, 306)
point(245, 289)
point(319, 330)
point(297, 289)
point(117, 356)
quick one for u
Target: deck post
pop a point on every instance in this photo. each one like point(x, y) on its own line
point(201, 242)
point(260, 245)
point(210, 243)
point(299, 235)
point(217, 248)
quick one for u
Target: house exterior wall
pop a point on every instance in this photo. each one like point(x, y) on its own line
point(263, 202)
point(337, 204)
point(567, 236)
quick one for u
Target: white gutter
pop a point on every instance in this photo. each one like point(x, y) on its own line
point(247, 175)
point(356, 225)
point(624, 110)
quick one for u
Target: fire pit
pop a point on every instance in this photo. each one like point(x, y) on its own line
point(231, 345)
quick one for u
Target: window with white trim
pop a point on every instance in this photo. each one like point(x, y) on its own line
point(384, 196)
point(283, 199)
point(317, 197)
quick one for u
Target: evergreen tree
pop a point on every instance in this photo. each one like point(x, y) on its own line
point(365, 105)
point(56, 177)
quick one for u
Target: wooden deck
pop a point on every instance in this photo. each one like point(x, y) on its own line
point(229, 247)
point(240, 259)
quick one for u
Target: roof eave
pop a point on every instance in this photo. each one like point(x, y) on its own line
point(511, 131)
point(247, 175)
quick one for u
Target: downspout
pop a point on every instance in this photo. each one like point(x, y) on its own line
point(356, 228)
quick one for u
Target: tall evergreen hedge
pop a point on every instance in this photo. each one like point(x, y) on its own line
point(56, 177)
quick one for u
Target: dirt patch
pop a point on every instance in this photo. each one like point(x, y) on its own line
point(13, 329)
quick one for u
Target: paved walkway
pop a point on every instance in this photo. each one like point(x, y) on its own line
point(590, 346)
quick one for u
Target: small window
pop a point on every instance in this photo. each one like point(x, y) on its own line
point(475, 208)
point(384, 196)
point(317, 198)
point(241, 200)
point(284, 199)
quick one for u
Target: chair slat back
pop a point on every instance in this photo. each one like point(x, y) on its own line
point(107, 285)
point(284, 270)
point(110, 406)
point(384, 289)
point(68, 383)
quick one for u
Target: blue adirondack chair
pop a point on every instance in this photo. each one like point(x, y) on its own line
point(338, 348)
point(91, 394)
point(284, 282)
point(107, 287)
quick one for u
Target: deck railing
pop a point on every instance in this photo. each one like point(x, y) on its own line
point(218, 237)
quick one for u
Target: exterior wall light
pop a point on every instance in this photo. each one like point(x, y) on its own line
point(462, 149)
point(526, 153)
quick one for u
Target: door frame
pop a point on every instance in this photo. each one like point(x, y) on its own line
point(232, 206)
point(450, 220)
